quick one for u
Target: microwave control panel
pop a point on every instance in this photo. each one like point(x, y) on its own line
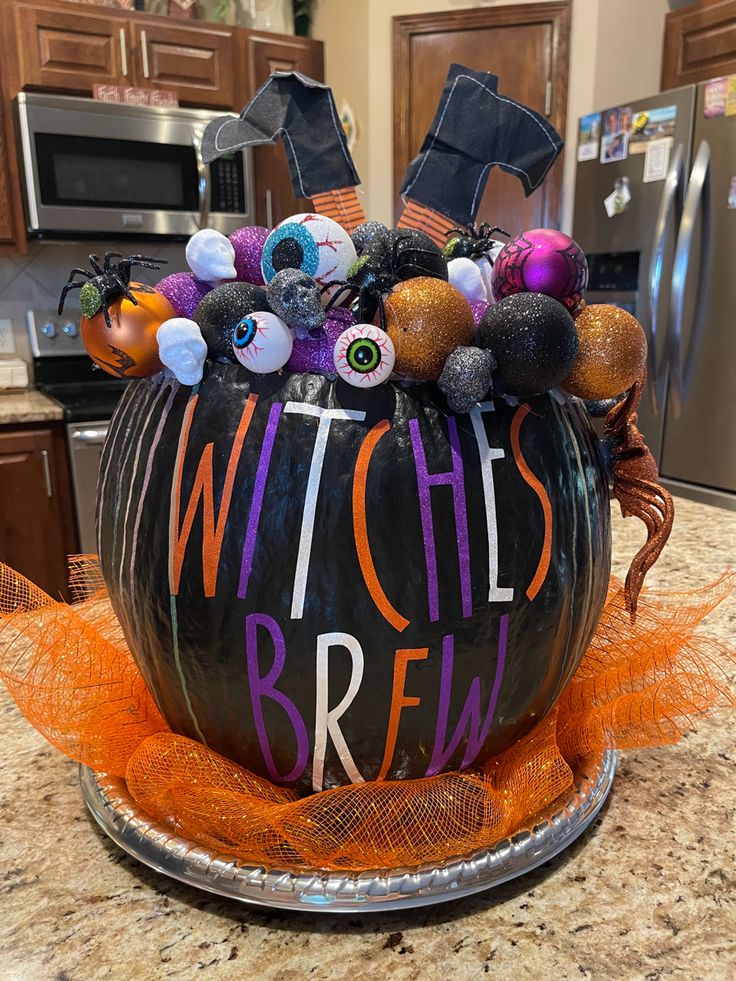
point(228, 185)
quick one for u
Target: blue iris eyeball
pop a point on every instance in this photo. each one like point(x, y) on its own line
point(244, 333)
point(313, 244)
point(262, 342)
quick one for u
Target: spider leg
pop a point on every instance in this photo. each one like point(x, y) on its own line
point(146, 261)
point(106, 313)
point(94, 261)
point(108, 256)
point(69, 286)
point(338, 294)
point(125, 287)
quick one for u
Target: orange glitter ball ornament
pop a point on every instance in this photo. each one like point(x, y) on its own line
point(612, 352)
point(426, 320)
point(128, 349)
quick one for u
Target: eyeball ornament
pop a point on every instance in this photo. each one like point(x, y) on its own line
point(262, 342)
point(364, 356)
point(542, 260)
point(311, 243)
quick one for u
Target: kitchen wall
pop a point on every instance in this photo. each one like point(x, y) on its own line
point(34, 281)
point(616, 51)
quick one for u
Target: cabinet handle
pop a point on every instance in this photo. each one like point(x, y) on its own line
point(47, 472)
point(144, 54)
point(123, 53)
point(269, 209)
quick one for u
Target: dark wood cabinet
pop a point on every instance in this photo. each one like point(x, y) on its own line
point(197, 62)
point(275, 199)
point(699, 43)
point(36, 521)
point(70, 50)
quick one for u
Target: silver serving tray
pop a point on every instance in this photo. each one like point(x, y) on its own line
point(347, 892)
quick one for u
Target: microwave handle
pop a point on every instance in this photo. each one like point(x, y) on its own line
point(203, 180)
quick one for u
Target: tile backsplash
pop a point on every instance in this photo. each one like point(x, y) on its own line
point(34, 281)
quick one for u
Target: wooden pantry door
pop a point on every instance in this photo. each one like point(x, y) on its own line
point(526, 46)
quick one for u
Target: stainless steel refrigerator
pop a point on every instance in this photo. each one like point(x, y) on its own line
point(667, 253)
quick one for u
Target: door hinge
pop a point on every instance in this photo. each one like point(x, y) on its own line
point(548, 98)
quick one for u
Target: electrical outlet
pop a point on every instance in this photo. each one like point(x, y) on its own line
point(7, 342)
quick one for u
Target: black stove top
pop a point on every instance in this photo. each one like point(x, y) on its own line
point(85, 403)
point(85, 395)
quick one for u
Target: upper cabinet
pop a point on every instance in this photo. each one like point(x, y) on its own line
point(72, 50)
point(68, 49)
point(198, 63)
point(699, 43)
point(266, 53)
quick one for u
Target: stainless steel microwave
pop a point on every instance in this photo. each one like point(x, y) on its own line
point(103, 168)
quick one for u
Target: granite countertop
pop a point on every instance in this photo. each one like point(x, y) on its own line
point(28, 406)
point(647, 893)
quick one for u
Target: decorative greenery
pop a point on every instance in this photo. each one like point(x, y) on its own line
point(303, 17)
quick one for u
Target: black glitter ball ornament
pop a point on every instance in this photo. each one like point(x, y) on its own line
point(296, 298)
point(371, 233)
point(466, 377)
point(533, 340)
point(221, 309)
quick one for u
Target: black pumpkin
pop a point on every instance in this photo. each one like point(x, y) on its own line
point(247, 636)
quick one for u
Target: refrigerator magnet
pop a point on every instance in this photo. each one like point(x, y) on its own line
point(657, 160)
point(651, 125)
point(614, 147)
point(618, 200)
point(589, 133)
point(715, 94)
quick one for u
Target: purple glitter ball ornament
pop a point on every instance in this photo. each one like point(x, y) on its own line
point(478, 307)
point(183, 291)
point(248, 245)
point(541, 260)
point(316, 352)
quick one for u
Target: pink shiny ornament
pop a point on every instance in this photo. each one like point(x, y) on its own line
point(316, 352)
point(248, 245)
point(541, 260)
point(183, 291)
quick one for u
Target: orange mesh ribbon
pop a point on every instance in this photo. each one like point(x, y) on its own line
point(640, 683)
point(637, 489)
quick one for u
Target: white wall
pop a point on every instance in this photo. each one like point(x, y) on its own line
point(615, 55)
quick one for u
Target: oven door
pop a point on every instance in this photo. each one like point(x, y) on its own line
point(100, 168)
point(86, 440)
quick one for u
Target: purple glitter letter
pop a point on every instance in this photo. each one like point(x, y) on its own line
point(264, 688)
point(256, 503)
point(426, 481)
point(470, 715)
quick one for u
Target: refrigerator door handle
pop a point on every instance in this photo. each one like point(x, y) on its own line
point(697, 201)
point(670, 204)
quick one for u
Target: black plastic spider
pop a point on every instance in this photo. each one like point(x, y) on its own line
point(108, 282)
point(404, 255)
point(472, 242)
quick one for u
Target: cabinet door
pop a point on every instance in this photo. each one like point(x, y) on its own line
point(198, 63)
point(9, 194)
point(36, 534)
point(275, 199)
point(699, 43)
point(70, 50)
